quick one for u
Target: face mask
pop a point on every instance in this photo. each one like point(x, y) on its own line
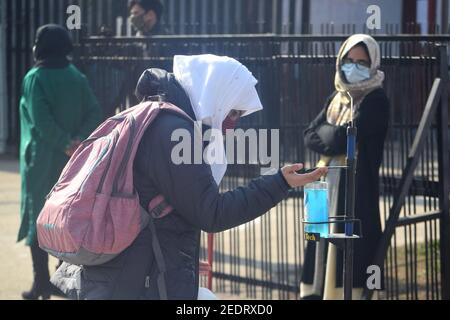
point(228, 124)
point(138, 22)
point(355, 73)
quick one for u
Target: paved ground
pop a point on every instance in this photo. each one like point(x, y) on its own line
point(15, 258)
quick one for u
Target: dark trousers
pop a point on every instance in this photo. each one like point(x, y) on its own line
point(40, 266)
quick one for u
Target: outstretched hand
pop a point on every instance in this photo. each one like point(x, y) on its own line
point(298, 180)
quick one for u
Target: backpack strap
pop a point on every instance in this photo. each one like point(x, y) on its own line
point(161, 280)
point(176, 110)
point(172, 108)
point(158, 208)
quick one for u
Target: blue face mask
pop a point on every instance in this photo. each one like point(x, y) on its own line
point(355, 73)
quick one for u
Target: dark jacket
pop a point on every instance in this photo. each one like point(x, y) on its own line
point(371, 120)
point(198, 206)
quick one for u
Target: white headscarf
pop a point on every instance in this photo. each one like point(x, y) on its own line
point(216, 85)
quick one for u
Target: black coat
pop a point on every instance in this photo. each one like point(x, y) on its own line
point(198, 206)
point(371, 120)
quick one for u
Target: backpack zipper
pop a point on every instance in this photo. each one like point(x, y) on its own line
point(102, 180)
point(103, 153)
point(127, 155)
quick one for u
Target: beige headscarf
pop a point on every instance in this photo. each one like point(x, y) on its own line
point(339, 109)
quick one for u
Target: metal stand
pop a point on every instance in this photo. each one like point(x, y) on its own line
point(350, 208)
point(345, 241)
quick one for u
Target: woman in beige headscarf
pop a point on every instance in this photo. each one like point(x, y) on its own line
point(358, 76)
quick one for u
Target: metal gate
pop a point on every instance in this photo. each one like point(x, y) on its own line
point(263, 259)
point(21, 18)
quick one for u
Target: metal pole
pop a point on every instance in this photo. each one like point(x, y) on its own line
point(444, 173)
point(3, 91)
point(274, 16)
point(210, 259)
point(306, 14)
point(350, 206)
point(444, 17)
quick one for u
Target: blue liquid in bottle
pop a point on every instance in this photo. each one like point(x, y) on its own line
point(316, 210)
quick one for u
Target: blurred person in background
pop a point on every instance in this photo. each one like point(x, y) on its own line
point(117, 81)
point(145, 16)
point(57, 111)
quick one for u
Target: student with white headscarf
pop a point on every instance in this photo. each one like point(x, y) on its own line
point(216, 91)
point(357, 75)
point(217, 86)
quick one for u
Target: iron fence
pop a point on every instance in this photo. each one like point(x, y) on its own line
point(263, 259)
point(187, 17)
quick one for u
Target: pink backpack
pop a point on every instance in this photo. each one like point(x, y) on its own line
point(93, 212)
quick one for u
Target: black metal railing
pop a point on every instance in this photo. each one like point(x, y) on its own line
point(263, 259)
point(193, 17)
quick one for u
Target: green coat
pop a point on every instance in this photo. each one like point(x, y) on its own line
point(57, 106)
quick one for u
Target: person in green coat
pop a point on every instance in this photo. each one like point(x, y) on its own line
point(57, 111)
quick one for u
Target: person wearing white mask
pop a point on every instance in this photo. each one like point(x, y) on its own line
point(358, 76)
point(215, 91)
